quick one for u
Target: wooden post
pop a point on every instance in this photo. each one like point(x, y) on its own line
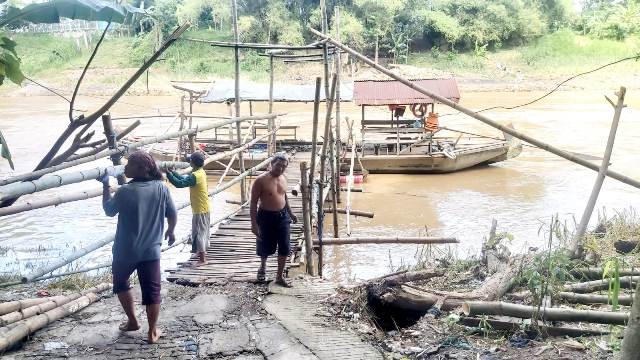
point(236, 52)
point(314, 141)
point(323, 162)
point(338, 118)
point(271, 147)
point(111, 141)
point(306, 217)
point(577, 247)
point(192, 138)
point(250, 108)
point(506, 129)
point(179, 151)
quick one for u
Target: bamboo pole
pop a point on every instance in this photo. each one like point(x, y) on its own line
point(321, 182)
point(306, 217)
point(577, 248)
point(79, 271)
point(241, 45)
point(192, 138)
point(112, 143)
point(35, 323)
point(325, 54)
point(338, 105)
point(130, 147)
point(53, 181)
point(626, 282)
point(17, 305)
point(51, 200)
point(272, 140)
point(314, 141)
point(92, 247)
point(549, 314)
point(352, 212)
point(517, 134)
point(572, 297)
point(48, 305)
point(99, 148)
point(596, 273)
point(386, 240)
point(544, 330)
point(236, 53)
point(334, 190)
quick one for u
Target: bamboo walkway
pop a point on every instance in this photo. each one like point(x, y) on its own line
point(232, 252)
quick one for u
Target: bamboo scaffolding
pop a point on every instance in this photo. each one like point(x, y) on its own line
point(550, 314)
point(51, 200)
point(306, 217)
point(236, 53)
point(52, 303)
point(92, 247)
point(338, 105)
point(352, 212)
point(53, 181)
point(386, 240)
point(35, 323)
point(517, 134)
point(577, 246)
point(123, 149)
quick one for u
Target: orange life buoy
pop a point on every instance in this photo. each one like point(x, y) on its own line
point(419, 110)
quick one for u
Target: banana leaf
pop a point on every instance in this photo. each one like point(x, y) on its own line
point(52, 11)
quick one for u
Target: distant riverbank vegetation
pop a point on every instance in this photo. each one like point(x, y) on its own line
point(535, 36)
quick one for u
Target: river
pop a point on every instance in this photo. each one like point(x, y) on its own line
point(521, 194)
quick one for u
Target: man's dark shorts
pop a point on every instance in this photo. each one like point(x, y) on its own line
point(274, 232)
point(148, 276)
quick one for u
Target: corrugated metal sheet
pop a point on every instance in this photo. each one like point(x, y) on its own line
point(224, 90)
point(392, 92)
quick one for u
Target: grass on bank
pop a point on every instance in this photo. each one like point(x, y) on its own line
point(560, 53)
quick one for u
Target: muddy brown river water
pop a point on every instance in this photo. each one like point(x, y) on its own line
point(522, 193)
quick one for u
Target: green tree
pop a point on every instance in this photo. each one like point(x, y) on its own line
point(351, 29)
point(215, 14)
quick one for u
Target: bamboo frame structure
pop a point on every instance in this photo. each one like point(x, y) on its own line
point(128, 148)
point(517, 134)
point(101, 147)
point(338, 105)
point(242, 45)
point(314, 140)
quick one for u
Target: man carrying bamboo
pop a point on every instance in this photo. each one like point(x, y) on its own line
point(271, 218)
point(196, 181)
point(141, 206)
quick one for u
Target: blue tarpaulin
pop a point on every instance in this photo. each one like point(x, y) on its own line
point(224, 90)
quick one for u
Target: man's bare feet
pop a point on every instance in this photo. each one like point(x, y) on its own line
point(129, 326)
point(154, 336)
point(282, 282)
point(200, 263)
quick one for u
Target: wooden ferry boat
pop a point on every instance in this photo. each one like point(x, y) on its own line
point(419, 145)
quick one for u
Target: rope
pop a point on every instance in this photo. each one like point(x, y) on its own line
point(635, 57)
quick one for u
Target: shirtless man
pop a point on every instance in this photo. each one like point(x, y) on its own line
point(270, 222)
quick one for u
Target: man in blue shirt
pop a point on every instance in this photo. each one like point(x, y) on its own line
point(141, 205)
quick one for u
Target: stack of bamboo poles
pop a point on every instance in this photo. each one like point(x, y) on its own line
point(23, 317)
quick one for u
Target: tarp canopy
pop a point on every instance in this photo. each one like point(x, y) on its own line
point(393, 92)
point(224, 90)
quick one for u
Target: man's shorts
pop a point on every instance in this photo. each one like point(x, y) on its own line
point(200, 231)
point(148, 276)
point(274, 232)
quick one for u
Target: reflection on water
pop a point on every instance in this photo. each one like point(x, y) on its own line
point(521, 193)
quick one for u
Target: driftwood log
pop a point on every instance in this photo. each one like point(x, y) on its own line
point(17, 333)
point(53, 302)
point(550, 314)
point(540, 329)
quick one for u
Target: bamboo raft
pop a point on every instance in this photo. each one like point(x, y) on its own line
point(232, 256)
